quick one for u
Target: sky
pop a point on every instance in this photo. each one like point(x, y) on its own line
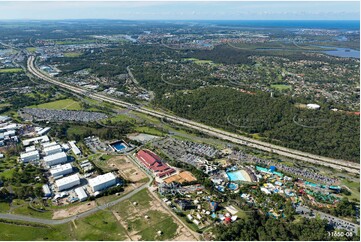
point(189, 10)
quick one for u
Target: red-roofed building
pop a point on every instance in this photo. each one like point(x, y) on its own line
point(153, 162)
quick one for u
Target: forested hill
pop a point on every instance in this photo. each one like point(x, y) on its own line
point(276, 120)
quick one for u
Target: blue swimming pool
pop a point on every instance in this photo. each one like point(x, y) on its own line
point(119, 146)
point(232, 186)
point(236, 176)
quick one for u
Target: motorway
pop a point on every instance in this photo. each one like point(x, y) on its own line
point(234, 138)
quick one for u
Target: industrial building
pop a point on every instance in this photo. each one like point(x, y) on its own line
point(30, 156)
point(102, 182)
point(67, 182)
point(52, 150)
point(43, 131)
point(82, 196)
point(74, 148)
point(41, 139)
point(48, 144)
point(30, 148)
point(61, 170)
point(55, 159)
point(46, 190)
point(9, 127)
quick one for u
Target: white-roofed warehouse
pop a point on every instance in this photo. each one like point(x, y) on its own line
point(103, 181)
point(52, 150)
point(61, 170)
point(81, 194)
point(55, 159)
point(67, 182)
point(30, 156)
point(35, 140)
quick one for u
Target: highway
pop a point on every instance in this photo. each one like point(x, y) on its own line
point(234, 138)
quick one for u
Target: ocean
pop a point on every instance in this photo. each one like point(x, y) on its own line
point(313, 24)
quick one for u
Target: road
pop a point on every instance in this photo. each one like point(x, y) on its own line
point(221, 134)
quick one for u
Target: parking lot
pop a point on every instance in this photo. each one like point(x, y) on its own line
point(63, 115)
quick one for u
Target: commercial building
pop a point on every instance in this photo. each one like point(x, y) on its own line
point(74, 148)
point(102, 182)
point(52, 150)
point(61, 170)
point(41, 139)
point(46, 190)
point(30, 156)
point(153, 163)
point(55, 159)
point(9, 133)
point(30, 148)
point(48, 144)
point(67, 182)
point(43, 131)
point(9, 127)
point(81, 194)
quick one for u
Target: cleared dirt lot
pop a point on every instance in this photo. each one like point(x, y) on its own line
point(64, 213)
point(127, 169)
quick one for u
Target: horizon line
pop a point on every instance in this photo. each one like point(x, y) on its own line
point(115, 19)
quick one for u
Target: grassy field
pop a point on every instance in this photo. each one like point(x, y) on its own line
point(4, 207)
point(72, 54)
point(148, 130)
point(281, 87)
point(100, 226)
point(68, 104)
point(135, 223)
point(11, 70)
point(121, 118)
point(23, 209)
point(355, 188)
point(27, 232)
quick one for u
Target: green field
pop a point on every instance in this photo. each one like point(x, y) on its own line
point(354, 187)
point(72, 54)
point(11, 70)
point(149, 130)
point(28, 232)
point(133, 216)
point(121, 118)
point(68, 104)
point(100, 226)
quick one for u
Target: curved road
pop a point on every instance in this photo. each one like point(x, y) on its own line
point(235, 138)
